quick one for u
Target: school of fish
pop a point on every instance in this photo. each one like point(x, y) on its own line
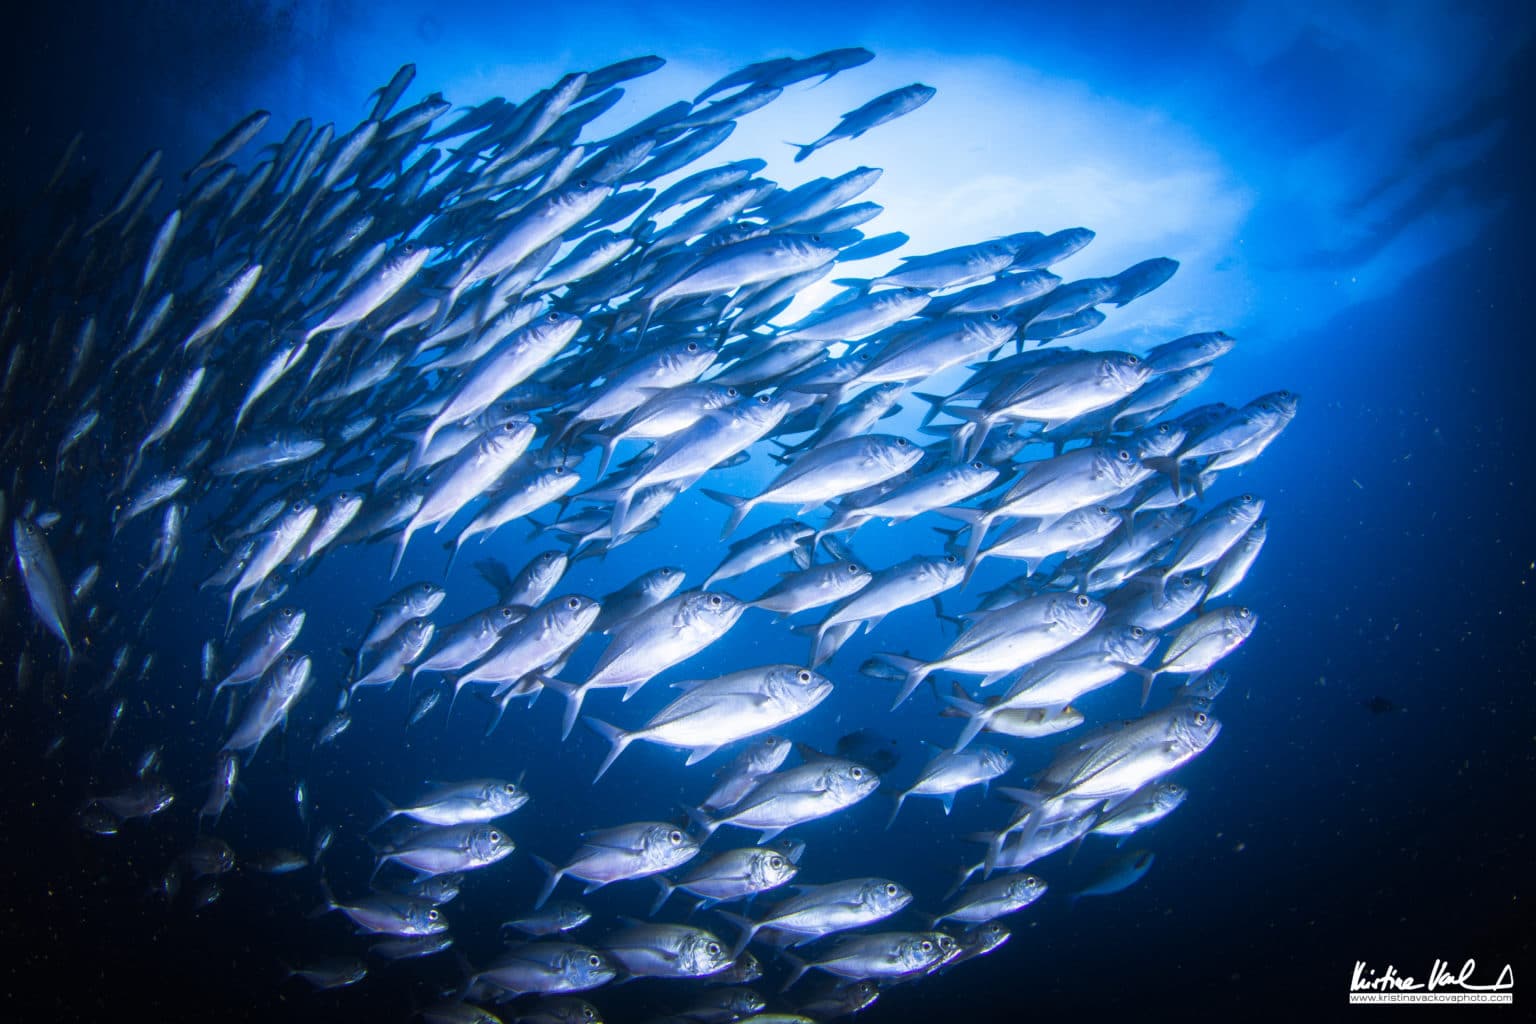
point(446, 325)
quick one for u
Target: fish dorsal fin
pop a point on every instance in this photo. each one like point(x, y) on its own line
point(810, 755)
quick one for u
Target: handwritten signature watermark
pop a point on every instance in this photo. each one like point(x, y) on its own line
point(1367, 985)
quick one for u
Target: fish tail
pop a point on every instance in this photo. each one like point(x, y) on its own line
point(552, 879)
point(739, 508)
point(798, 967)
point(573, 699)
point(901, 798)
point(667, 889)
point(747, 927)
point(617, 739)
point(390, 810)
point(935, 406)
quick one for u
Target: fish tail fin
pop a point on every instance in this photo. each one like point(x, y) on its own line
point(552, 879)
point(745, 925)
point(900, 799)
point(574, 694)
point(935, 406)
point(617, 739)
point(702, 820)
point(327, 900)
point(667, 889)
point(405, 540)
point(739, 508)
point(798, 968)
point(390, 810)
point(1148, 677)
point(915, 672)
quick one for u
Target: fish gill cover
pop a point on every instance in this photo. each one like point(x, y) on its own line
point(378, 432)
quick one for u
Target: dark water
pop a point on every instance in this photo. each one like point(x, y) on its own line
point(1362, 800)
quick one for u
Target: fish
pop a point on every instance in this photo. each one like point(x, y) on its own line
point(882, 108)
point(40, 575)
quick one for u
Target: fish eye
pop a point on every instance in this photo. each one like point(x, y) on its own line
point(714, 601)
point(901, 442)
point(409, 247)
point(803, 676)
point(1185, 581)
point(1244, 612)
point(675, 837)
point(853, 567)
point(693, 346)
point(588, 1013)
point(1123, 455)
point(509, 426)
point(927, 946)
point(1201, 718)
point(559, 471)
point(994, 317)
point(573, 603)
point(713, 948)
point(1247, 498)
point(297, 506)
point(1162, 428)
point(815, 238)
point(856, 772)
point(1138, 632)
point(1103, 510)
point(1132, 360)
point(506, 613)
point(732, 393)
point(595, 961)
point(978, 464)
point(890, 890)
point(762, 399)
point(583, 184)
point(775, 862)
point(433, 915)
point(287, 613)
point(552, 317)
point(951, 559)
point(493, 836)
point(509, 789)
point(427, 588)
point(1082, 600)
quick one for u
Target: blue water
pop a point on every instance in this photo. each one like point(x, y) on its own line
point(1348, 193)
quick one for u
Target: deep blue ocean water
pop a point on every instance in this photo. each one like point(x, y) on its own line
point(1370, 175)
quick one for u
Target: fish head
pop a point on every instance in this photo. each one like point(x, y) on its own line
point(767, 753)
point(503, 796)
point(1159, 440)
point(1183, 593)
point(665, 845)
point(489, 843)
point(1121, 467)
point(422, 918)
point(1208, 684)
point(848, 781)
point(1096, 521)
point(1132, 644)
point(796, 687)
point(917, 951)
point(1123, 372)
point(1281, 405)
point(770, 868)
point(885, 897)
point(418, 633)
point(703, 953)
point(291, 673)
point(285, 624)
point(995, 760)
point(660, 584)
point(423, 598)
point(1077, 613)
point(719, 610)
point(1244, 509)
point(574, 614)
point(948, 570)
point(1239, 622)
point(1194, 730)
point(1025, 889)
point(984, 938)
point(1168, 795)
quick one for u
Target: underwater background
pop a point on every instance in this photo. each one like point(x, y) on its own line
point(1348, 192)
